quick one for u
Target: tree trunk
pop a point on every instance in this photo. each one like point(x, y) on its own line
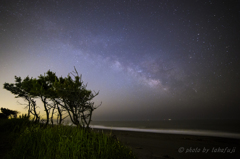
point(46, 110)
point(60, 114)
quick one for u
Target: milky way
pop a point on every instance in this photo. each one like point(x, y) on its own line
point(149, 59)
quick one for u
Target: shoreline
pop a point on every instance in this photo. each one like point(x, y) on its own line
point(209, 133)
point(151, 145)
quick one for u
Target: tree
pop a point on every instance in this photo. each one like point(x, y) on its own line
point(22, 90)
point(3, 116)
point(63, 94)
point(51, 94)
point(27, 85)
point(8, 112)
point(76, 99)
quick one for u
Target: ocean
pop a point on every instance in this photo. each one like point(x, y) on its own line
point(217, 127)
point(213, 127)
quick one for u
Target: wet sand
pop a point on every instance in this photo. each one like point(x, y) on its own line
point(173, 146)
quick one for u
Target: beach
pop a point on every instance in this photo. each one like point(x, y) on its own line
point(152, 145)
point(147, 145)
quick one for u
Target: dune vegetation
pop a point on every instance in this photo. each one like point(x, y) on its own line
point(30, 138)
point(22, 138)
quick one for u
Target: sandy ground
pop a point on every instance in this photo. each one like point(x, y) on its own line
point(171, 146)
point(167, 146)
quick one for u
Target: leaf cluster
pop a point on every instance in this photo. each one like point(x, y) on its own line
point(9, 112)
point(63, 94)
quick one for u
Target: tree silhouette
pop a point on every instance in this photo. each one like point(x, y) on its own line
point(3, 116)
point(8, 112)
point(62, 94)
point(76, 99)
point(22, 90)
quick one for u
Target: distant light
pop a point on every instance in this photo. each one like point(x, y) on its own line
point(169, 119)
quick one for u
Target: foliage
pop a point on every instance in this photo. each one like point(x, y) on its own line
point(3, 116)
point(22, 90)
point(66, 142)
point(76, 99)
point(8, 112)
point(61, 94)
point(15, 124)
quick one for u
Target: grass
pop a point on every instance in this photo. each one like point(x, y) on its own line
point(27, 141)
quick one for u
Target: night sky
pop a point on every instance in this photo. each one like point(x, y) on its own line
point(150, 59)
